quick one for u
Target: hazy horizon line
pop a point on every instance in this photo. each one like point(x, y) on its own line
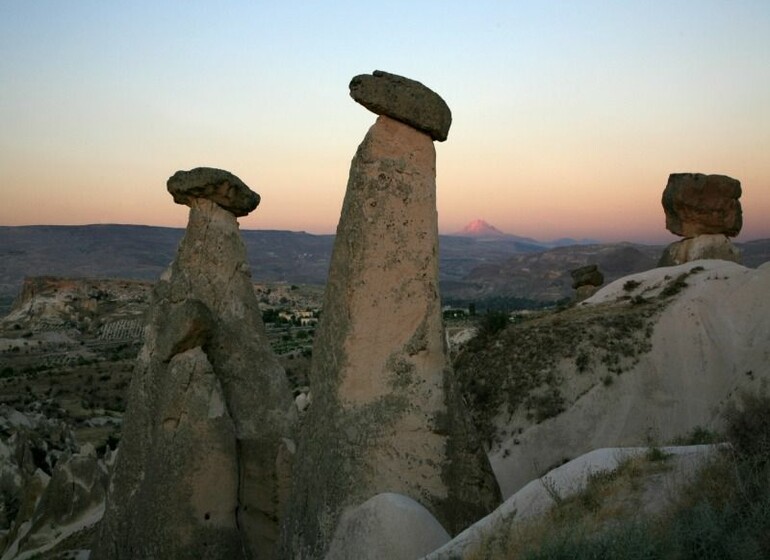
point(582, 239)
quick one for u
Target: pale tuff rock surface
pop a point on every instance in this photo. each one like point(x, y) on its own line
point(50, 488)
point(697, 204)
point(706, 246)
point(55, 508)
point(710, 340)
point(384, 416)
point(537, 497)
point(196, 474)
point(405, 100)
point(217, 185)
point(388, 526)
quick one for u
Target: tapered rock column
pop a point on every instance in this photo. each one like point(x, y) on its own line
point(384, 416)
point(208, 406)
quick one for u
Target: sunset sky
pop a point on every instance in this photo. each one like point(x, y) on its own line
point(567, 116)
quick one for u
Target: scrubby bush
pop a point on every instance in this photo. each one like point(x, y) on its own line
point(493, 322)
point(748, 425)
point(631, 285)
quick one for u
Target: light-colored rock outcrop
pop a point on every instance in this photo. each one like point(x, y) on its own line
point(70, 501)
point(49, 489)
point(385, 416)
point(197, 472)
point(389, 526)
point(709, 341)
point(706, 246)
point(537, 497)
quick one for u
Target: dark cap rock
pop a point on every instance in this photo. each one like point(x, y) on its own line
point(588, 275)
point(405, 100)
point(217, 185)
point(698, 204)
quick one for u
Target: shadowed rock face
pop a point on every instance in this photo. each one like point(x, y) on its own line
point(384, 416)
point(588, 275)
point(697, 204)
point(405, 100)
point(208, 409)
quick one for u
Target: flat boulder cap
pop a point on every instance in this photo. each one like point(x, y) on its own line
point(405, 100)
point(217, 185)
point(698, 204)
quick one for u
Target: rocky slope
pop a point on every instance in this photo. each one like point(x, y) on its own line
point(648, 358)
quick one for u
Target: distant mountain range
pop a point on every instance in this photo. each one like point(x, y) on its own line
point(479, 229)
point(473, 267)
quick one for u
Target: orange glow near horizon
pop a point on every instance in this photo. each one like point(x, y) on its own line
point(567, 118)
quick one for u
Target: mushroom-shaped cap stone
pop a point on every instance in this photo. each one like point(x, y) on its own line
point(219, 186)
point(588, 275)
point(698, 204)
point(405, 100)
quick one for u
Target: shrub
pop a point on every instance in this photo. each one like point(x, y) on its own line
point(631, 285)
point(699, 436)
point(493, 322)
point(675, 286)
point(582, 361)
point(748, 424)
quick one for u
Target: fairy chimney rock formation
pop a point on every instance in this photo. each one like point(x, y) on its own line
point(385, 416)
point(217, 185)
point(209, 406)
point(405, 100)
point(588, 275)
point(697, 204)
point(706, 211)
point(586, 280)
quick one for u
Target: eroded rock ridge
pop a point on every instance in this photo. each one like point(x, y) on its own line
point(209, 406)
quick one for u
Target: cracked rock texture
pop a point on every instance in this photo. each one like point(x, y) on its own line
point(201, 466)
point(405, 100)
point(697, 204)
point(706, 211)
point(217, 185)
point(385, 416)
point(714, 246)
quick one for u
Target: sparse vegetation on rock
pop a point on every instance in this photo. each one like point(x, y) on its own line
point(521, 370)
point(720, 512)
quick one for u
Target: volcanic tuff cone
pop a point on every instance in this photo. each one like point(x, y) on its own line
point(385, 416)
point(196, 473)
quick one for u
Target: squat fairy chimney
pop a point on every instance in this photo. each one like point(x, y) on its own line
point(209, 406)
point(706, 211)
point(586, 280)
point(385, 415)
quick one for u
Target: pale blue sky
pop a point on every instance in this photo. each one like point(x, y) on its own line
point(568, 116)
